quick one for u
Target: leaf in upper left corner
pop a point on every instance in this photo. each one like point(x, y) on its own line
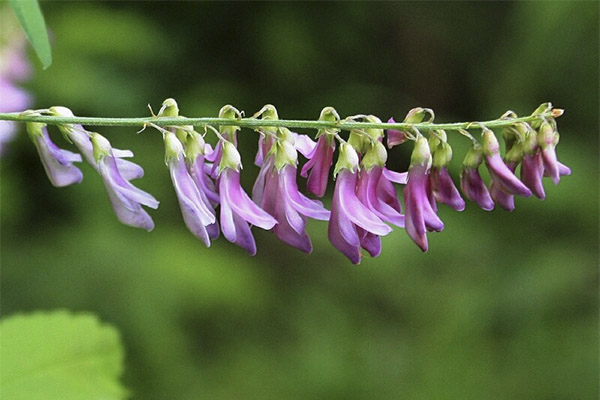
point(30, 17)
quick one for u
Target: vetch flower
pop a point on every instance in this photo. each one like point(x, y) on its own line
point(281, 198)
point(237, 210)
point(414, 116)
point(348, 213)
point(80, 137)
point(197, 211)
point(195, 150)
point(419, 206)
point(470, 180)
point(547, 140)
point(321, 158)
point(126, 199)
point(442, 186)
point(57, 162)
point(502, 176)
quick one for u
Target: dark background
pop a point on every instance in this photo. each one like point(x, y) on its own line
point(503, 306)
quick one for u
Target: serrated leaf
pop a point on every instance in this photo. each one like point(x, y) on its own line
point(31, 19)
point(59, 355)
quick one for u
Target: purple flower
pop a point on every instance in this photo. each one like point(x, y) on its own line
point(376, 191)
point(502, 176)
point(349, 215)
point(290, 208)
point(471, 183)
point(547, 140)
point(532, 171)
point(419, 205)
point(444, 190)
point(198, 214)
point(198, 168)
point(319, 162)
point(57, 162)
point(81, 139)
point(237, 210)
point(126, 199)
point(500, 195)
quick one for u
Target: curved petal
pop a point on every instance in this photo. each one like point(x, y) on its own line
point(475, 189)
point(504, 177)
point(304, 205)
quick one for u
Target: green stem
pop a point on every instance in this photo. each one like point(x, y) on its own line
point(255, 123)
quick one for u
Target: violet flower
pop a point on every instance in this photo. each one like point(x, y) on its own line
point(198, 214)
point(499, 194)
point(502, 176)
point(237, 210)
point(471, 184)
point(57, 162)
point(81, 139)
point(419, 205)
point(348, 213)
point(281, 198)
point(318, 164)
point(547, 140)
point(395, 137)
point(126, 199)
point(199, 170)
point(442, 186)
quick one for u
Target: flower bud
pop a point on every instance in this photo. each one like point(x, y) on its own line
point(347, 159)
point(169, 109)
point(173, 147)
point(329, 114)
point(229, 112)
point(231, 157)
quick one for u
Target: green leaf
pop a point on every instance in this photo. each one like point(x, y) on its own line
point(59, 355)
point(31, 19)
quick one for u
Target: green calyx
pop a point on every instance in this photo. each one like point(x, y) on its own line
point(173, 147)
point(267, 113)
point(490, 143)
point(285, 154)
point(376, 156)
point(229, 112)
point(347, 159)
point(328, 114)
point(194, 146)
point(442, 155)
point(35, 129)
point(417, 115)
point(474, 156)
point(230, 158)
point(421, 154)
point(547, 136)
point(101, 146)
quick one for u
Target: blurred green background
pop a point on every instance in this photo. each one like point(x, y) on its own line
point(503, 306)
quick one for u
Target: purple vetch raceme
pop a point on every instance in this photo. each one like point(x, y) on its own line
point(368, 198)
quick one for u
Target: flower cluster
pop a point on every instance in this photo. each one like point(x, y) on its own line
point(365, 201)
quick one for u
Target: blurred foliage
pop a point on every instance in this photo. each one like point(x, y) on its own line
point(504, 306)
point(58, 355)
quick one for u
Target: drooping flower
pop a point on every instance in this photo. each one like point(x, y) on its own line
point(57, 162)
point(126, 199)
point(321, 158)
point(547, 140)
point(503, 178)
point(470, 180)
point(195, 150)
point(348, 213)
point(198, 214)
point(414, 116)
point(419, 204)
point(278, 194)
point(442, 186)
point(237, 209)
point(81, 139)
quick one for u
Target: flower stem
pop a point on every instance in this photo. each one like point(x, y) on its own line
point(255, 123)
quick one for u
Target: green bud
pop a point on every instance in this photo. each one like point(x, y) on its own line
point(268, 112)
point(529, 144)
point(285, 154)
point(544, 108)
point(230, 158)
point(329, 114)
point(436, 140)
point(474, 156)
point(376, 156)
point(183, 132)
point(358, 141)
point(442, 156)
point(421, 154)
point(60, 111)
point(169, 109)
point(416, 115)
point(101, 146)
point(374, 133)
point(347, 159)
point(515, 154)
